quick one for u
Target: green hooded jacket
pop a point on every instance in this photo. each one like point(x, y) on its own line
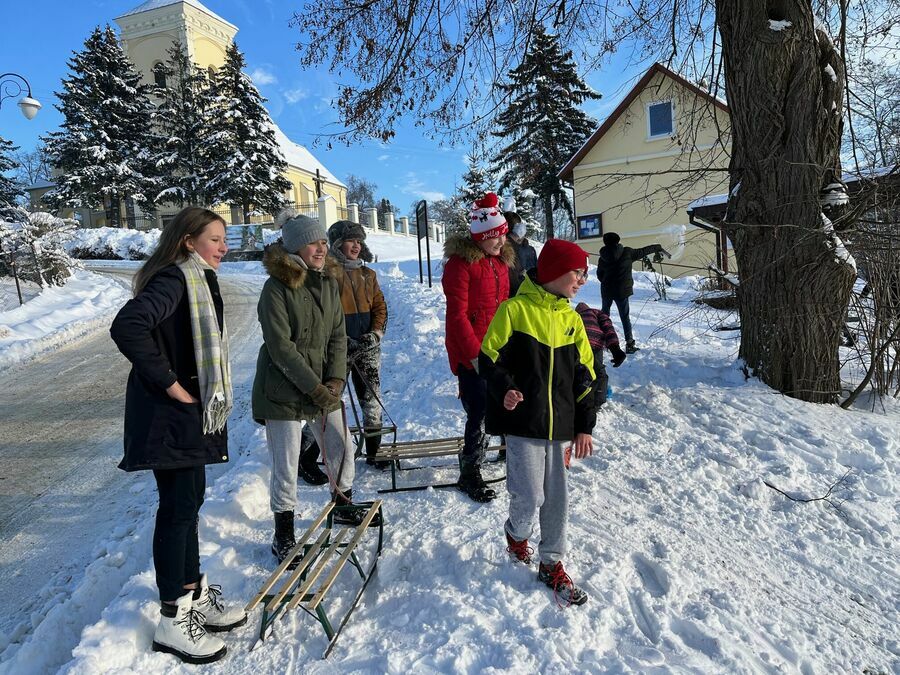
point(304, 338)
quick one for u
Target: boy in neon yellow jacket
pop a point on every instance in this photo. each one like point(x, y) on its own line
point(539, 369)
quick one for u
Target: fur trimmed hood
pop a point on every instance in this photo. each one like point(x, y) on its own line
point(464, 247)
point(279, 265)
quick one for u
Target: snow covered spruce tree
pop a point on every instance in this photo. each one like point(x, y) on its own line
point(180, 120)
point(106, 147)
point(10, 190)
point(244, 164)
point(785, 83)
point(543, 125)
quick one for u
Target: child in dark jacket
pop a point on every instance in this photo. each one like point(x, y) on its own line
point(177, 401)
point(601, 335)
point(538, 364)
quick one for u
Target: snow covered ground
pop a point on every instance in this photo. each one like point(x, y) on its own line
point(56, 315)
point(692, 562)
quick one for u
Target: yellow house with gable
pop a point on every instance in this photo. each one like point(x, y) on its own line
point(664, 146)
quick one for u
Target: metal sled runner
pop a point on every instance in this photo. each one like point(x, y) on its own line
point(322, 558)
point(439, 447)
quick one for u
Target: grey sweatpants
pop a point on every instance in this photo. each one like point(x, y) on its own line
point(283, 439)
point(536, 481)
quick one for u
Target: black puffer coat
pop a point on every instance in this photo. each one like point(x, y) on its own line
point(153, 331)
point(614, 269)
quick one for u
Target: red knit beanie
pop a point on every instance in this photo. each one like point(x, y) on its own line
point(558, 257)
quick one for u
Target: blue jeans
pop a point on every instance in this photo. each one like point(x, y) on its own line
point(624, 314)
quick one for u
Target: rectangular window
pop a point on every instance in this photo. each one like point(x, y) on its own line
point(660, 120)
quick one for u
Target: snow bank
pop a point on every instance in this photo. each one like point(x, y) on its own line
point(59, 315)
point(113, 243)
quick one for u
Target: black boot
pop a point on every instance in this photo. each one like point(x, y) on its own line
point(348, 513)
point(471, 482)
point(308, 468)
point(284, 541)
point(373, 444)
point(630, 347)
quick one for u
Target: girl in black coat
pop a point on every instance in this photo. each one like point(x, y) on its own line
point(175, 416)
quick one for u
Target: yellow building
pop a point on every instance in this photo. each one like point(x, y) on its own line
point(148, 31)
point(665, 145)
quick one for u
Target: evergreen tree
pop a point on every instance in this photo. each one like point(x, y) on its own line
point(10, 190)
point(244, 164)
point(180, 120)
point(105, 150)
point(543, 125)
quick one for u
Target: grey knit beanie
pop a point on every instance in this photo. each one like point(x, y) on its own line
point(300, 231)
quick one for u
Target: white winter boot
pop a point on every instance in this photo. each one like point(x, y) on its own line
point(184, 635)
point(219, 618)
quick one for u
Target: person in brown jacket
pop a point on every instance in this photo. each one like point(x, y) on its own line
point(365, 314)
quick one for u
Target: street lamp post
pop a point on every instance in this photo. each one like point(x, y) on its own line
point(13, 84)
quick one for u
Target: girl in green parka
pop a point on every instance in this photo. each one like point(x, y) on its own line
point(301, 370)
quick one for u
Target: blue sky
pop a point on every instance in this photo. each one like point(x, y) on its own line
point(40, 35)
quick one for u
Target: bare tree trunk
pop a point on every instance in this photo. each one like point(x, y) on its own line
point(784, 91)
point(549, 230)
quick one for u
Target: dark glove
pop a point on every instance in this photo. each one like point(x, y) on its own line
point(368, 341)
point(352, 345)
point(323, 398)
point(618, 356)
point(335, 386)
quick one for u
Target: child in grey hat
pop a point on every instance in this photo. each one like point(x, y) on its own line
point(301, 370)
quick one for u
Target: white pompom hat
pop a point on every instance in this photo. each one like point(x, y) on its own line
point(487, 219)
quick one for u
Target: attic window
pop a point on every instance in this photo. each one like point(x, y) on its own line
point(660, 120)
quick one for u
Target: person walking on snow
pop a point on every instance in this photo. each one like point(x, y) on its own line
point(365, 315)
point(601, 335)
point(301, 370)
point(177, 402)
point(538, 364)
point(475, 281)
point(616, 279)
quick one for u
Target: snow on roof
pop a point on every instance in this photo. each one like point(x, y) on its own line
point(40, 184)
point(708, 200)
point(298, 156)
point(156, 4)
point(870, 174)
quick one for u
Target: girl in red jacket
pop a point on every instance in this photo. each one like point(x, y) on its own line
point(475, 281)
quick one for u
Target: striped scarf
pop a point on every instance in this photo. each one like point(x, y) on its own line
point(210, 346)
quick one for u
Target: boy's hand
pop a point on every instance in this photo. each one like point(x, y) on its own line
point(512, 399)
point(584, 445)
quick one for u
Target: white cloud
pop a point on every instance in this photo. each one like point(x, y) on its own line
point(294, 95)
point(416, 188)
point(261, 76)
point(383, 158)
